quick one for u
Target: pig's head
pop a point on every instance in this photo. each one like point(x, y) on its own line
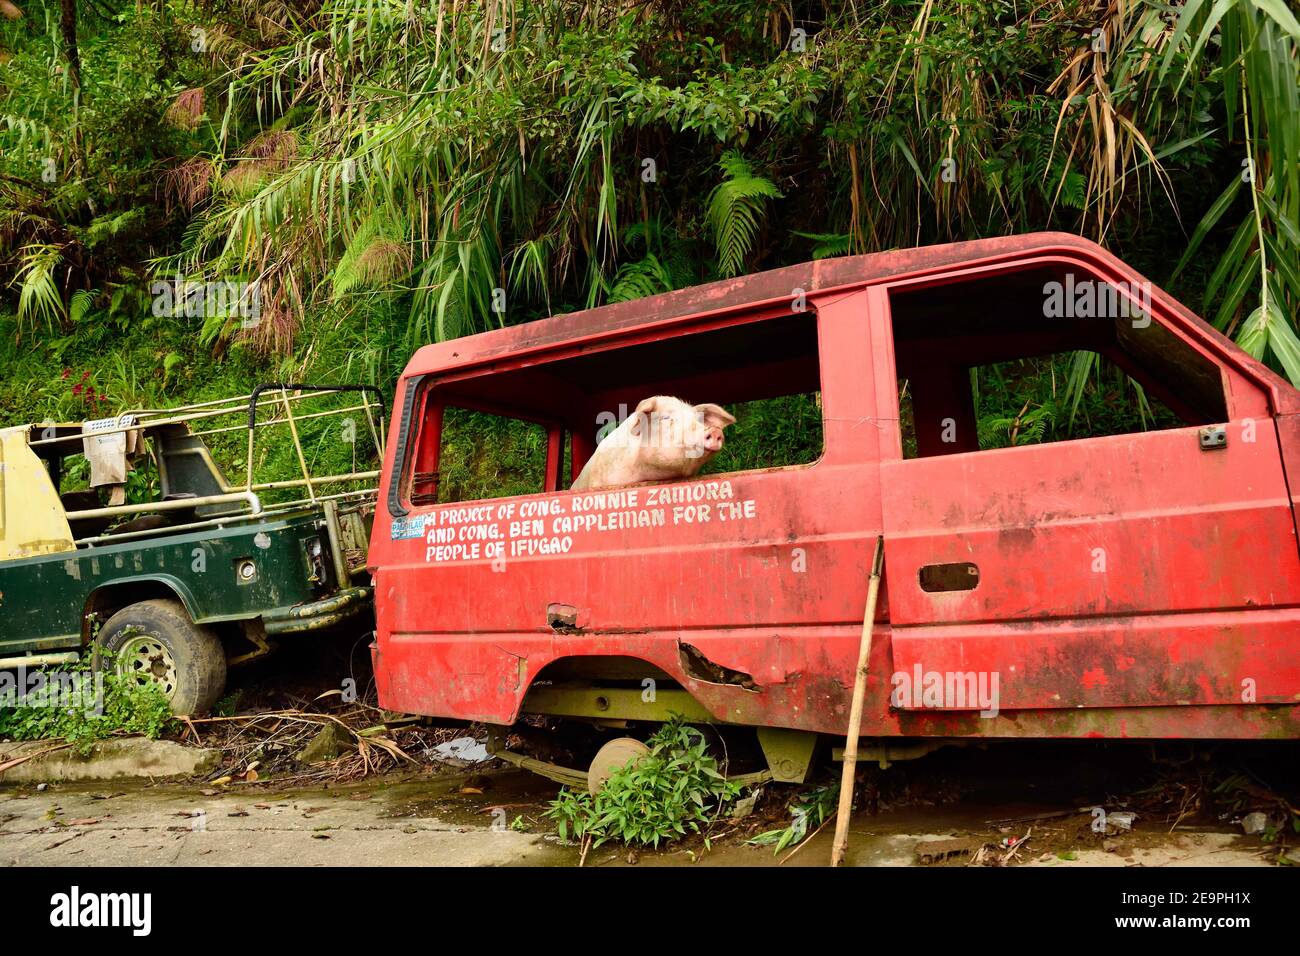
point(676, 439)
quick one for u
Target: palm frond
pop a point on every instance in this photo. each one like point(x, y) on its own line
point(39, 302)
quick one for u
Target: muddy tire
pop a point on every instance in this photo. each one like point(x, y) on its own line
point(155, 641)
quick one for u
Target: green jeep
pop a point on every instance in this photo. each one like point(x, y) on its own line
point(125, 532)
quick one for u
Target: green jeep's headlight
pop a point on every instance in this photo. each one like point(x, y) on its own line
point(246, 571)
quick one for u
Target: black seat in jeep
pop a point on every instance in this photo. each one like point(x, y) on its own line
point(85, 500)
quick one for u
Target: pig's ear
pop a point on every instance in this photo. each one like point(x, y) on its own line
point(641, 417)
point(715, 415)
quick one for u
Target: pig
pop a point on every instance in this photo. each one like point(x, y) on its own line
point(665, 439)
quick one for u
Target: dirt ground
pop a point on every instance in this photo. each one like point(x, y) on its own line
point(953, 808)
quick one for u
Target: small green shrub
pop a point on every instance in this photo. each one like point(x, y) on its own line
point(228, 706)
point(809, 811)
point(673, 790)
point(125, 707)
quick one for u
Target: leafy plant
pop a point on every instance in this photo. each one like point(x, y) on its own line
point(39, 302)
point(808, 811)
point(828, 244)
point(85, 709)
point(736, 210)
point(1259, 76)
point(392, 175)
point(228, 706)
point(1026, 428)
point(675, 789)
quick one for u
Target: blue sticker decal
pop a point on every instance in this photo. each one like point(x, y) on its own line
point(411, 526)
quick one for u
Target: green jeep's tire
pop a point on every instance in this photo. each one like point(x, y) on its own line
point(155, 641)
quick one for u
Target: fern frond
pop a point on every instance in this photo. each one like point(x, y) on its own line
point(80, 304)
point(828, 244)
point(736, 209)
point(376, 253)
point(636, 280)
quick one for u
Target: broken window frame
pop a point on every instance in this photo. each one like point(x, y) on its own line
point(884, 308)
point(419, 451)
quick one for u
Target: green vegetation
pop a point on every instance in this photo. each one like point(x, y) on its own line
point(808, 811)
point(86, 710)
point(770, 433)
point(1025, 402)
point(675, 789)
point(488, 456)
point(390, 173)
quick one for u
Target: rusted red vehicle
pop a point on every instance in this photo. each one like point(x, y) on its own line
point(1134, 585)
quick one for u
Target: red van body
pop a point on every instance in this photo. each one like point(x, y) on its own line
point(1133, 585)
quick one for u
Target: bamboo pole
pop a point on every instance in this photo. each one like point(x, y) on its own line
point(855, 712)
point(297, 446)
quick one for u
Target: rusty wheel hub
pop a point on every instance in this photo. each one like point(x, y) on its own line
point(614, 755)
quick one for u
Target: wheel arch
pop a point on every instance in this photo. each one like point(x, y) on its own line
point(620, 686)
point(107, 599)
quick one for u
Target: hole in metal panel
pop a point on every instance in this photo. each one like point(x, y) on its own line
point(962, 576)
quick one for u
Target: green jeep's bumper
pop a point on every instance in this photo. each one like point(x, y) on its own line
point(318, 614)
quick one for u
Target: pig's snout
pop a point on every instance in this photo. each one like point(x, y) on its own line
point(713, 440)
